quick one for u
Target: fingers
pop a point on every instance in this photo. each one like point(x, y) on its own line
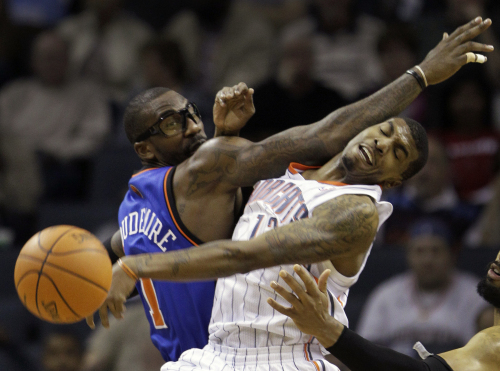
point(475, 58)
point(323, 281)
point(285, 294)
point(103, 314)
point(460, 30)
point(90, 321)
point(309, 282)
point(240, 91)
point(294, 284)
point(471, 33)
point(445, 35)
point(472, 46)
point(280, 308)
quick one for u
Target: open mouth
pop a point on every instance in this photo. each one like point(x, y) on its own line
point(366, 155)
point(494, 272)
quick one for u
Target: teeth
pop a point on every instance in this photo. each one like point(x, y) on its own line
point(496, 271)
point(368, 155)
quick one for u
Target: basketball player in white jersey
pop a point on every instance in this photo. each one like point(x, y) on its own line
point(325, 218)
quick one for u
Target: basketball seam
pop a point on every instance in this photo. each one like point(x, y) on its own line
point(62, 297)
point(43, 263)
point(100, 251)
point(29, 257)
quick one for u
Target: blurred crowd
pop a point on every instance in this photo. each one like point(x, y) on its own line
point(69, 67)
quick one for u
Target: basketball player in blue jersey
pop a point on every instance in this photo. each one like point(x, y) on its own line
point(196, 183)
point(309, 312)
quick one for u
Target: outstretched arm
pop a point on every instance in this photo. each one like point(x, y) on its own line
point(341, 228)
point(247, 162)
point(309, 312)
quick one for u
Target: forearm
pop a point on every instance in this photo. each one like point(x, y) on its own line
point(226, 133)
point(360, 354)
point(339, 228)
point(345, 123)
point(317, 143)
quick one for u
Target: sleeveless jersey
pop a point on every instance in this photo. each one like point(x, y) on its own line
point(178, 313)
point(241, 317)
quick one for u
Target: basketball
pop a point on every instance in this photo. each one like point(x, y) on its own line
point(63, 274)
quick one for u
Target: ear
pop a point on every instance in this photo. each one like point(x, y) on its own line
point(144, 151)
point(386, 184)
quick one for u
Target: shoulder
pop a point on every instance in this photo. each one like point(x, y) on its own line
point(349, 204)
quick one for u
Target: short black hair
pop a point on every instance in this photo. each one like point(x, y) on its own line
point(419, 136)
point(132, 119)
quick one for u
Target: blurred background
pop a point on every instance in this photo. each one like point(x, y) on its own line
point(69, 67)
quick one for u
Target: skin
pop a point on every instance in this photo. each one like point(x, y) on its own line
point(210, 173)
point(340, 230)
point(309, 311)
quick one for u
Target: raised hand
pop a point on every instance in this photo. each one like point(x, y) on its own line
point(309, 309)
point(455, 50)
point(122, 286)
point(233, 107)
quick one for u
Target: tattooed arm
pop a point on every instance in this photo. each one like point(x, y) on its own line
point(341, 230)
point(242, 163)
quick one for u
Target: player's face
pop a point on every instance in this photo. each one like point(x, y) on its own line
point(489, 286)
point(494, 272)
point(172, 150)
point(380, 154)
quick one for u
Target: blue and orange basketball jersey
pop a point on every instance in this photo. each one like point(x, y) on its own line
point(178, 313)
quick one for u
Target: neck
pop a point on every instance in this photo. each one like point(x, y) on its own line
point(333, 170)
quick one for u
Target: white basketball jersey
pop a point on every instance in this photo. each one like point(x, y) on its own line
point(241, 317)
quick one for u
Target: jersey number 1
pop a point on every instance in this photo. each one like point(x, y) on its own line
point(154, 309)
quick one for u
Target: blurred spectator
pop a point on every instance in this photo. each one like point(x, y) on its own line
point(344, 45)
point(104, 45)
point(224, 43)
point(49, 118)
point(125, 346)
point(13, 356)
point(293, 97)
point(278, 12)
point(37, 13)
point(61, 352)
point(428, 193)
point(486, 232)
point(432, 303)
point(471, 142)
point(397, 50)
point(163, 64)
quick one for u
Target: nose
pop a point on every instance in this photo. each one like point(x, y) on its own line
point(381, 145)
point(193, 126)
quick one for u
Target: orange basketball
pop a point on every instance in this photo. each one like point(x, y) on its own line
point(63, 274)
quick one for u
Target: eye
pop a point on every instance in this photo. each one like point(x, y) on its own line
point(383, 133)
point(396, 154)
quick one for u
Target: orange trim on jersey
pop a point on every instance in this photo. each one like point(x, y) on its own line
point(340, 301)
point(294, 166)
point(143, 171)
point(170, 208)
point(331, 182)
point(306, 354)
point(150, 293)
point(316, 364)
